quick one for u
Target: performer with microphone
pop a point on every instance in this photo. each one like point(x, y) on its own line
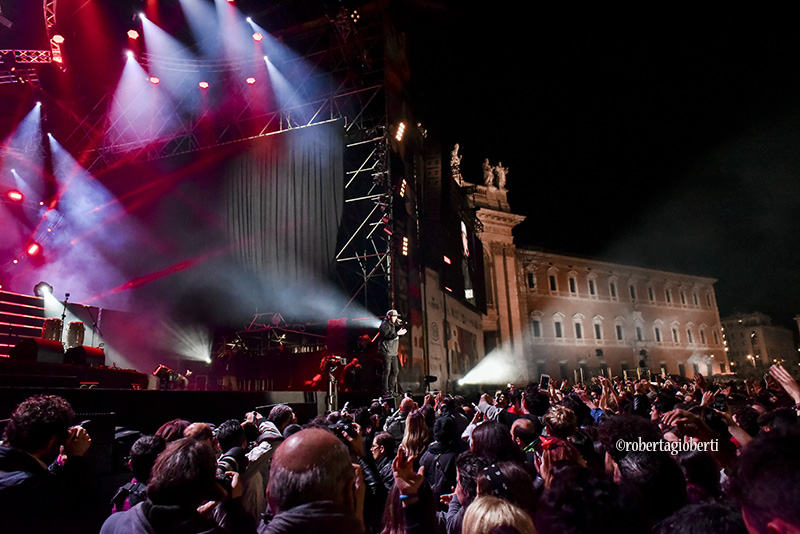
point(387, 346)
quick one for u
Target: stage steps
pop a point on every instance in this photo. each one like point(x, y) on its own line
point(21, 317)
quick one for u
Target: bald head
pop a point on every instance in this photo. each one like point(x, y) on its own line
point(524, 431)
point(407, 404)
point(311, 465)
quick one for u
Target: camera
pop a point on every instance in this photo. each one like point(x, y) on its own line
point(234, 460)
point(343, 427)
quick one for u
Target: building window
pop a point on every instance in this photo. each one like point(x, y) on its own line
point(668, 295)
point(632, 289)
point(703, 337)
point(683, 298)
point(559, 331)
point(651, 294)
point(598, 331)
point(592, 289)
point(612, 289)
point(689, 336)
point(573, 285)
point(619, 332)
point(708, 299)
point(722, 368)
point(696, 299)
point(553, 285)
point(578, 331)
point(658, 335)
point(716, 339)
point(537, 328)
point(639, 334)
point(532, 280)
point(675, 337)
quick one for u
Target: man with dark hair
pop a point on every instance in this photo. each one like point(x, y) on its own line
point(183, 478)
point(143, 455)
point(32, 495)
point(468, 466)
point(281, 415)
point(388, 345)
point(383, 447)
point(534, 402)
point(313, 488)
point(765, 483)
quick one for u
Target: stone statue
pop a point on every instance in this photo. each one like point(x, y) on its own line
point(455, 165)
point(455, 158)
point(501, 172)
point(488, 173)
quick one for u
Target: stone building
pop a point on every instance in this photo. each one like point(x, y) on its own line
point(754, 343)
point(574, 317)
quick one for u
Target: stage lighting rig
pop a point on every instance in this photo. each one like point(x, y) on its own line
point(133, 34)
point(16, 196)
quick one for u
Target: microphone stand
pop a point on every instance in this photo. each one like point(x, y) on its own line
point(63, 318)
point(95, 327)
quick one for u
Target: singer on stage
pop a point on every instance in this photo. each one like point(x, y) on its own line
point(387, 346)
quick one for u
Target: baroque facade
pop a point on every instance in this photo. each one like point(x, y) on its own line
point(573, 317)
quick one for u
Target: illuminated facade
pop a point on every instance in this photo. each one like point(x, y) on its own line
point(574, 317)
point(754, 343)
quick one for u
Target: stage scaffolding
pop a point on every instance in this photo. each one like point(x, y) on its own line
point(337, 75)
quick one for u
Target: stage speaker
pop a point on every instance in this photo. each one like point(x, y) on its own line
point(91, 356)
point(38, 350)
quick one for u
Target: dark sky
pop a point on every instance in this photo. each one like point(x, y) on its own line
point(654, 143)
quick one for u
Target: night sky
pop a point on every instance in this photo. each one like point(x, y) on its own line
point(655, 144)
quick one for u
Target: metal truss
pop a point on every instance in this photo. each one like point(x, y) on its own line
point(338, 75)
point(34, 56)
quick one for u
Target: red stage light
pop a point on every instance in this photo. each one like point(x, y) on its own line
point(251, 80)
point(34, 249)
point(133, 34)
point(58, 38)
point(15, 196)
point(203, 85)
point(155, 80)
point(257, 37)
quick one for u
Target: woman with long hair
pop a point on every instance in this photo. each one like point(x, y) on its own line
point(417, 436)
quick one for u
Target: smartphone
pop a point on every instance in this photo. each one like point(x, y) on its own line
point(544, 382)
point(720, 402)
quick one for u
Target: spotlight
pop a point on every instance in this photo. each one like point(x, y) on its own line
point(400, 131)
point(58, 38)
point(155, 80)
point(133, 34)
point(258, 36)
point(141, 15)
point(405, 246)
point(249, 20)
point(403, 185)
point(34, 249)
point(203, 85)
point(129, 53)
point(447, 260)
point(16, 196)
point(250, 80)
point(42, 288)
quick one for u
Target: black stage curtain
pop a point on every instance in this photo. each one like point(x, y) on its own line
point(284, 199)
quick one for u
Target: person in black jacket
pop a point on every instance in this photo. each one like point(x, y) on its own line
point(388, 343)
point(440, 458)
point(36, 491)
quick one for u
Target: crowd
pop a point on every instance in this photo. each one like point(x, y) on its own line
point(610, 456)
